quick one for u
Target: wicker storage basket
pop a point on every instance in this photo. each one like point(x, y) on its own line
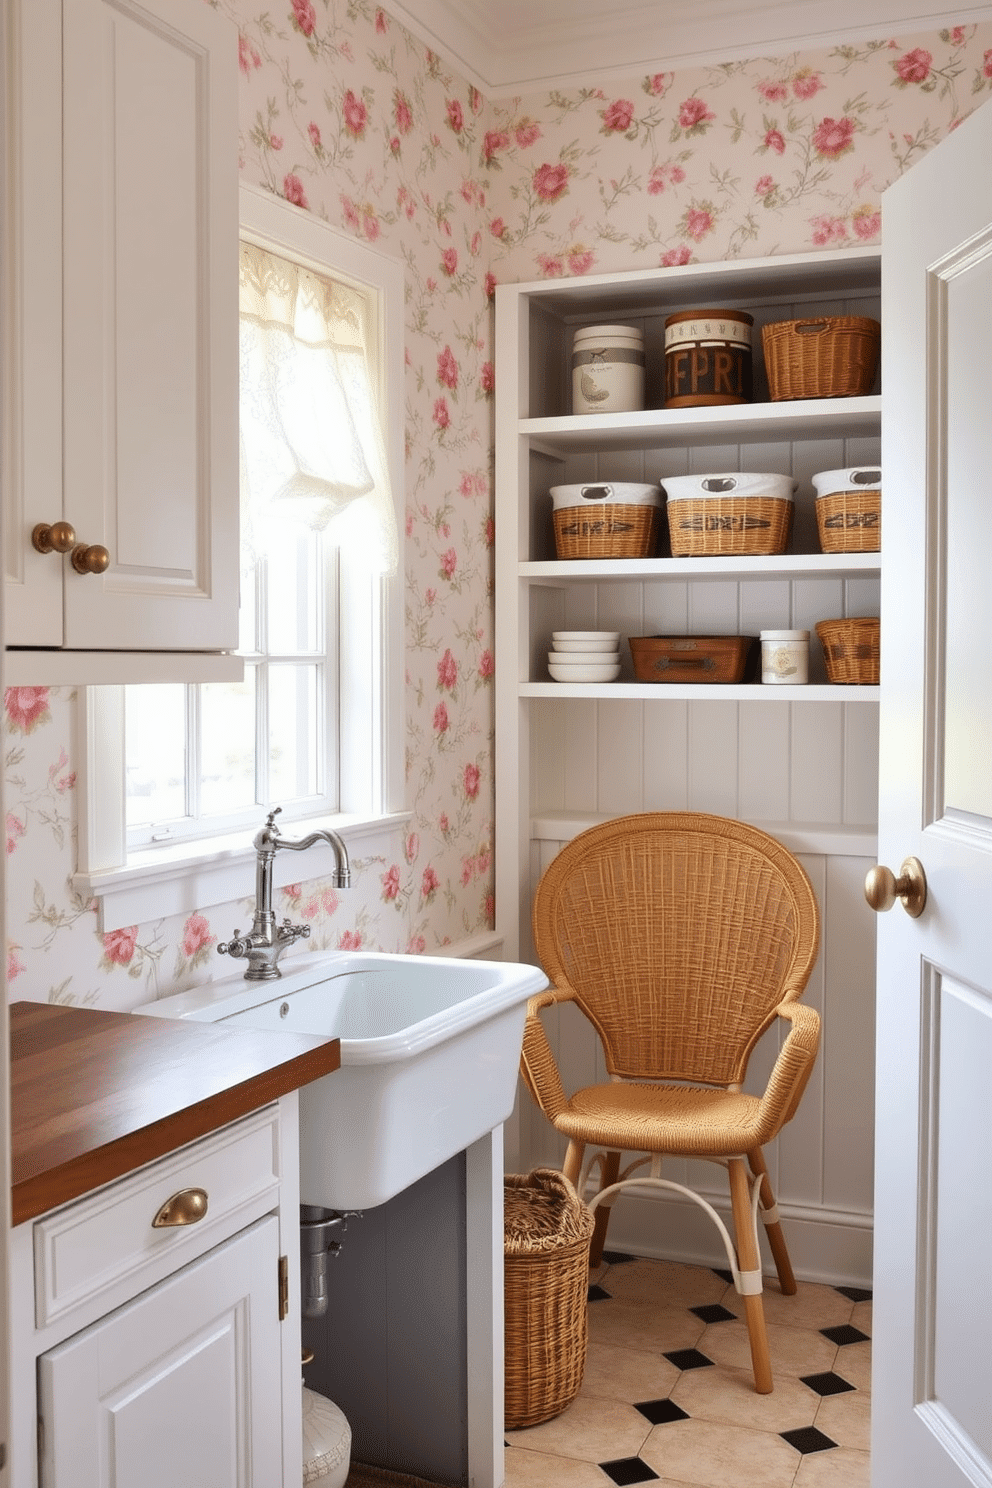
point(833, 357)
point(729, 524)
point(850, 649)
point(547, 1232)
point(617, 531)
point(849, 509)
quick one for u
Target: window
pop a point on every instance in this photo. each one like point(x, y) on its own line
point(312, 727)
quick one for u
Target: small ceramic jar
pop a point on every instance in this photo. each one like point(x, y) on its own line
point(608, 370)
point(785, 656)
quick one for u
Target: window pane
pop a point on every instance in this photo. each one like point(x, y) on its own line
point(294, 560)
point(155, 734)
point(227, 745)
point(294, 733)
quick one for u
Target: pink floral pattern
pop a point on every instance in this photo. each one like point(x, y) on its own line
point(346, 115)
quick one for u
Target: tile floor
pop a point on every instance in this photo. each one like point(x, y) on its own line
point(668, 1398)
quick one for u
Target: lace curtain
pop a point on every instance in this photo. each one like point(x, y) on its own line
point(311, 437)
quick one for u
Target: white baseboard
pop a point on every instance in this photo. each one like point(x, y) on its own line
point(829, 1246)
point(485, 947)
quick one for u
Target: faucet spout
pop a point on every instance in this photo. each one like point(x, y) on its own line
point(266, 941)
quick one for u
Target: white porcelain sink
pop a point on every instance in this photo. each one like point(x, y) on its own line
point(430, 1047)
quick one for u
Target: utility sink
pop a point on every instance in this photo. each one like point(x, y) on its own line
point(430, 1047)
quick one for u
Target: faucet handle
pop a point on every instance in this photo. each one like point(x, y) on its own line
point(270, 819)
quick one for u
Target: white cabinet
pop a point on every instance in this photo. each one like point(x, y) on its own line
point(800, 761)
point(156, 1355)
point(120, 309)
point(181, 1386)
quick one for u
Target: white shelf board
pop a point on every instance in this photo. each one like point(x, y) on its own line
point(702, 692)
point(833, 839)
point(737, 423)
point(773, 565)
point(37, 667)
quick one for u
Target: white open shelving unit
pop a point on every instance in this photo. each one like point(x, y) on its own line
point(801, 761)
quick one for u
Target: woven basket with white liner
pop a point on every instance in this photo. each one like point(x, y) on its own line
point(547, 1232)
point(733, 512)
point(849, 509)
point(606, 519)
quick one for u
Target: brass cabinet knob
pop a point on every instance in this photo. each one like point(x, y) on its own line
point(54, 537)
point(94, 559)
point(882, 888)
point(186, 1207)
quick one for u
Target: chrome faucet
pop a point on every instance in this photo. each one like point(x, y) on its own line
point(266, 941)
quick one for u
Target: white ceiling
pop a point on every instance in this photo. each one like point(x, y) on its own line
point(521, 46)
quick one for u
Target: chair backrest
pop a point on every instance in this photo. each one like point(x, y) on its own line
point(679, 934)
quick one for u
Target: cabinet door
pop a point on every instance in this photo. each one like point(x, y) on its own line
point(180, 1386)
point(150, 364)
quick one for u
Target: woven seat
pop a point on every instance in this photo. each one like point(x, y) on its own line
point(682, 937)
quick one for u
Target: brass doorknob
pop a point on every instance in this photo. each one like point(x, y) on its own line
point(94, 559)
point(53, 537)
point(882, 888)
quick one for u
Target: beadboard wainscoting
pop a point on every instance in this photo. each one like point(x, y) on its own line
point(822, 1164)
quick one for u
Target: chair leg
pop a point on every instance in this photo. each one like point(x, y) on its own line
point(776, 1239)
point(749, 1260)
point(572, 1166)
point(611, 1172)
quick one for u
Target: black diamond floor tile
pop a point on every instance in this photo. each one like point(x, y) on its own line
point(808, 1439)
point(597, 1293)
point(688, 1359)
point(628, 1470)
point(714, 1312)
point(826, 1384)
point(855, 1294)
point(727, 1276)
point(617, 1257)
point(660, 1412)
point(845, 1333)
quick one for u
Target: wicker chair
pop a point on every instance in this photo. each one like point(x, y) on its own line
point(681, 937)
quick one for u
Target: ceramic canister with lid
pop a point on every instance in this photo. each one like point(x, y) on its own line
point(785, 656)
point(707, 358)
point(608, 369)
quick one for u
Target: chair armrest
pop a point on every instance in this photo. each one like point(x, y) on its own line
point(537, 1062)
point(792, 1068)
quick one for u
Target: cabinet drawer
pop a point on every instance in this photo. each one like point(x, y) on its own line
point(108, 1239)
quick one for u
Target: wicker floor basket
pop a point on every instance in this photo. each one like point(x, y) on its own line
point(729, 524)
point(611, 530)
point(547, 1231)
point(833, 357)
point(850, 521)
point(850, 650)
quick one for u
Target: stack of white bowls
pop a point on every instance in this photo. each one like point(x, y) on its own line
point(585, 655)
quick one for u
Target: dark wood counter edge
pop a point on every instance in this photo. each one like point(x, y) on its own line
point(58, 1185)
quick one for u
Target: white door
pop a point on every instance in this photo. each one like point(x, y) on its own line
point(179, 1387)
point(932, 1418)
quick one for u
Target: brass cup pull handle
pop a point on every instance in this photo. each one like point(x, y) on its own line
point(54, 537)
point(186, 1207)
point(882, 888)
point(92, 559)
point(308, 1356)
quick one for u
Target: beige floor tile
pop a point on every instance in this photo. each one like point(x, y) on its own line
point(668, 1282)
point(853, 1363)
point(643, 1325)
point(861, 1317)
point(539, 1470)
point(712, 1455)
point(835, 1469)
point(591, 1428)
point(794, 1351)
point(619, 1372)
point(813, 1306)
point(846, 1419)
point(728, 1395)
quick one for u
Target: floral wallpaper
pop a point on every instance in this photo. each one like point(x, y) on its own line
point(348, 116)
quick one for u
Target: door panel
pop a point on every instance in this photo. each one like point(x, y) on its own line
point(933, 1303)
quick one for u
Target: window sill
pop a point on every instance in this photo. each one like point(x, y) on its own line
point(183, 877)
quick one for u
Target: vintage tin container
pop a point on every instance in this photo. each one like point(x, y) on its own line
point(699, 658)
point(608, 369)
point(708, 358)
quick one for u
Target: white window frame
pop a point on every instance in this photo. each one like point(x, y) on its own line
point(177, 878)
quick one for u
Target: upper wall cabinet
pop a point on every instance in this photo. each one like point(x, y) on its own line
point(120, 376)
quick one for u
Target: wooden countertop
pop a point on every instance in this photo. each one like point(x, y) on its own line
point(95, 1094)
